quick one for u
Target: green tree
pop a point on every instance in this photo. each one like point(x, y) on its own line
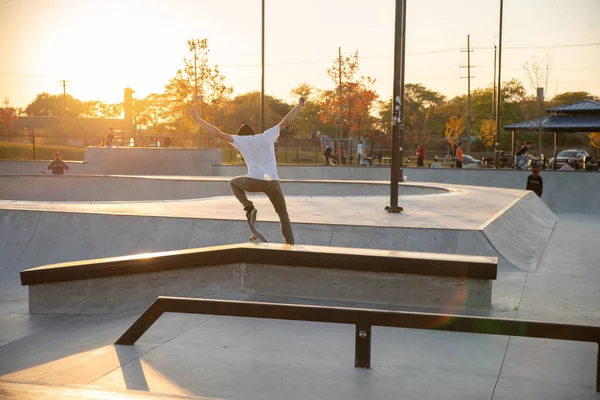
point(308, 122)
point(384, 118)
point(150, 112)
point(419, 105)
point(54, 105)
point(572, 97)
point(245, 109)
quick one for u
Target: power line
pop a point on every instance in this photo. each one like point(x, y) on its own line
point(332, 60)
point(542, 47)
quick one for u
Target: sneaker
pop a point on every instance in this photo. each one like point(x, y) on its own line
point(251, 216)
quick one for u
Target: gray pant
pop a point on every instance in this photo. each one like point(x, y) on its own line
point(242, 184)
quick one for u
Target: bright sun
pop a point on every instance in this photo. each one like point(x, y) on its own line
point(102, 50)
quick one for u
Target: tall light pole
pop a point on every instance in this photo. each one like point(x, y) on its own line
point(262, 63)
point(398, 105)
point(499, 94)
point(494, 80)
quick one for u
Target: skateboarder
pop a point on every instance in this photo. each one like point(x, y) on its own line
point(326, 149)
point(522, 155)
point(258, 151)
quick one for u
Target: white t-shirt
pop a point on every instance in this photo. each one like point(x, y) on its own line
point(259, 153)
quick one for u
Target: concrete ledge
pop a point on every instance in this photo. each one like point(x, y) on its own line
point(368, 260)
point(376, 276)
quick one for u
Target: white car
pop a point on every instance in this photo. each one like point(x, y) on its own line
point(470, 162)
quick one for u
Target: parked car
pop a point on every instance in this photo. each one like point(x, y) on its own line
point(471, 162)
point(565, 156)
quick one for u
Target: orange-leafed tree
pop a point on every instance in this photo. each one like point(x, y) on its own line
point(595, 142)
point(355, 95)
point(487, 132)
point(8, 115)
point(454, 128)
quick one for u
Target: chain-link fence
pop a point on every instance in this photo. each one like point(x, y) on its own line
point(31, 146)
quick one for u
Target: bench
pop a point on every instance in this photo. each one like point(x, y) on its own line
point(363, 320)
point(373, 276)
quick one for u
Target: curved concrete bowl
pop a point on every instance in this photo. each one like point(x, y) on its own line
point(144, 188)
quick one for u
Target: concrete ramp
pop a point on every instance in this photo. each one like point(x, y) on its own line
point(521, 230)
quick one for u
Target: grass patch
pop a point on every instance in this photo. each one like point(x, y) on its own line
point(22, 151)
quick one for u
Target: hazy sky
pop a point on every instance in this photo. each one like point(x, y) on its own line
point(101, 47)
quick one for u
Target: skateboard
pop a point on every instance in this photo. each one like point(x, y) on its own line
point(256, 236)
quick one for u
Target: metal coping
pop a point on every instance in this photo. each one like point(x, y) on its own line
point(341, 258)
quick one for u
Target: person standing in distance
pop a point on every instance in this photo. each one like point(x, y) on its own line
point(58, 166)
point(420, 155)
point(459, 155)
point(259, 154)
point(535, 182)
point(110, 137)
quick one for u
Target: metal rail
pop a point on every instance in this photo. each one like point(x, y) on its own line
point(363, 319)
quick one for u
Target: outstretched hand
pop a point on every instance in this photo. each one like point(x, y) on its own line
point(194, 113)
point(301, 101)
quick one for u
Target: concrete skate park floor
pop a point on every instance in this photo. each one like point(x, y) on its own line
point(241, 358)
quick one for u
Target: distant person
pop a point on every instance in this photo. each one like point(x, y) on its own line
point(326, 144)
point(365, 159)
point(58, 166)
point(420, 155)
point(259, 154)
point(522, 155)
point(110, 137)
point(359, 152)
point(343, 155)
point(459, 155)
point(535, 182)
point(436, 163)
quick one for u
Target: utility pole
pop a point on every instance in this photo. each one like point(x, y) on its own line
point(196, 92)
point(341, 123)
point(64, 113)
point(196, 78)
point(499, 94)
point(468, 77)
point(540, 99)
point(262, 81)
point(494, 80)
point(398, 105)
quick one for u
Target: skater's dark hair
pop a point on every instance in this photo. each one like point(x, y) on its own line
point(245, 130)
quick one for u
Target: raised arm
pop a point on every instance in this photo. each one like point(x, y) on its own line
point(291, 115)
point(214, 131)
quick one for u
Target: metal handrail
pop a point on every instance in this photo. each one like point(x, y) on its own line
point(363, 319)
